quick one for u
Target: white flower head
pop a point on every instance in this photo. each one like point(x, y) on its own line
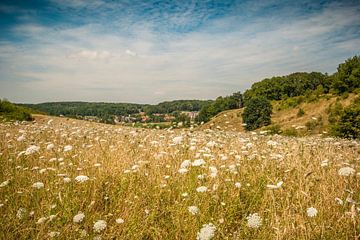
point(207, 232)
point(67, 180)
point(5, 183)
point(99, 226)
point(50, 146)
point(81, 178)
point(238, 185)
point(201, 189)
point(177, 140)
point(21, 213)
point(78, 217)
point(38, 185)
point(119, 221)
point(32, 149)
point(198, 162)
point(193, 210)
point(311, 212)
point(41, 220)
point(68, 148)
point(254, 220)
point(278, 185)
point(213, 171)
point(182, 170)
point(185, 164)
point(346, 171)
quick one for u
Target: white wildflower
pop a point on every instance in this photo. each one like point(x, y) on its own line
point(193, 210)
point(99, 226)
point(201, 189)
point(32, 149)
point(339, 201)
point(68, 148)
point(21, 213)
point(38, 185)
point(311, 212)
point(346, 171)
point(41, 220)
point(207, 232)
point(81, 178)
point(254, 220)
point(213, 171)
point(50, 146)
point(238, 185)
point(278, 185)
point(182, 170)
point(53, 234)
point(78, 217)
point(177, 140)
point(198, 162)
point(67, 180)
point(5, 183)
point(119, 221)
point(185, 164)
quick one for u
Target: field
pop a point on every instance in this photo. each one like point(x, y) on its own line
point(69, 179)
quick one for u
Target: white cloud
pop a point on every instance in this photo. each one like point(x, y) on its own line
point(93, 64)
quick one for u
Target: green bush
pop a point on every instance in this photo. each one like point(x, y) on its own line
point(273, 129)
point(9, 111)
point(300, 113)
point(348, 124)
point(257, 113)
point(290, 132)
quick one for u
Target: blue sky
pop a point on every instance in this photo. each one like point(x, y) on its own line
point(151, 51)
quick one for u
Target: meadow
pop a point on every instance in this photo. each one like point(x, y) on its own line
point(70, 179)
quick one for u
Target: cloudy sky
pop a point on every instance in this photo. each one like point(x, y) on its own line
point(151, 51)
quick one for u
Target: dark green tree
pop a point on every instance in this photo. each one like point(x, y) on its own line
point(347, 78)
point(257, 113)
point(348, 125)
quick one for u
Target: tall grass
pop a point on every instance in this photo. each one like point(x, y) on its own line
point(134, 176)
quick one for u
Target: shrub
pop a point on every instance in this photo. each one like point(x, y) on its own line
point(274, 129)
point(348, 125)
point(257, 113)
point(300, 113)
point(290, 132)
point(9, 111)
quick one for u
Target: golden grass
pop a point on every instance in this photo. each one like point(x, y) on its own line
point(138, 181)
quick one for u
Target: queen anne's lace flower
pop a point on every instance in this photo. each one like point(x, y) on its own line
point(346, 171)
point(254, 220)
point(78, 217)
point(193, 210)
point(99, 226)
point(311, 212)
point(207, 232)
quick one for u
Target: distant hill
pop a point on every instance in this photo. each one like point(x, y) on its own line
point(313, 120)
point(10, 111)
point(105, 110)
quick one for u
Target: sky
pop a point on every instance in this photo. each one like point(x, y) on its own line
point(153, 51)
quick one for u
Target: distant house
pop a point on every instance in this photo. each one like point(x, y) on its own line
point(191, 115)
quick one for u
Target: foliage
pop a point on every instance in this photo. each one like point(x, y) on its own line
point(220, 104)
point(9, 111)
point(347, 78)
point(106, 111)
point(257, 113)
point(273, 129)
point(290, 132)
point(348, 121)
point(295, 84)
point(300, 113)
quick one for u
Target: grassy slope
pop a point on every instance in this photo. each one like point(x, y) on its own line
point(231, 120)
point(138, 171)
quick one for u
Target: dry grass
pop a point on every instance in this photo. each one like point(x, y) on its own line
point(138, 180)
point(231, 120)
